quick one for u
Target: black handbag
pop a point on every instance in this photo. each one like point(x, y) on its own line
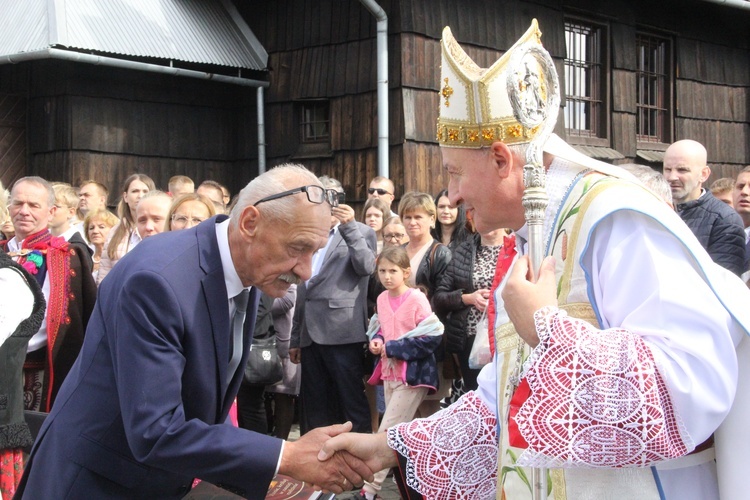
point(264, 364)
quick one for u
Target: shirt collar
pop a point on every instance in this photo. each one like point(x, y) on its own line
point(69, 233)
point(231, 279)
point(14, 244)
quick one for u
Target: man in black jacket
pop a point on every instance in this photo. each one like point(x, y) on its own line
point(718, 228)
point(741, 199)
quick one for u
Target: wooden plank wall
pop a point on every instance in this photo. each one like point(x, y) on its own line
point(12, 138)
point(326, 49)
point(13, 109)
point(106, 124)
point(712, 75)
point(712, 103)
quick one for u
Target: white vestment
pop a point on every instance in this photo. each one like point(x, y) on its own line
point(660, 287)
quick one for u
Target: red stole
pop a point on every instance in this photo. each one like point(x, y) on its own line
point(504, 260)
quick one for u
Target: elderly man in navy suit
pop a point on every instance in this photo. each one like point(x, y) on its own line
point(143, 411)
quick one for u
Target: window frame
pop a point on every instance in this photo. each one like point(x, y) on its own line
point(312, 146)
point(663, 103)
point(601, 133)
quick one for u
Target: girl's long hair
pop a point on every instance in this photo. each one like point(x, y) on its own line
point(127, 222)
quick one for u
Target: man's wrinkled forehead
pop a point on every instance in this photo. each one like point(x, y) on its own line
point(456, 160)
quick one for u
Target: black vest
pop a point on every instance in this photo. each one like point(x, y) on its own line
point(14, 433)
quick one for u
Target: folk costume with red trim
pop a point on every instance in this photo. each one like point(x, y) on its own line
point(71, 300)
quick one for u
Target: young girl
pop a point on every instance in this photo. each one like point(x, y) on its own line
point(405, 334)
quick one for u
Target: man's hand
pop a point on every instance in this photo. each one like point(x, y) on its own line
point(295, 355)
point(371, 448)
point(342, 473)
point(344, 213)
point(523, 298)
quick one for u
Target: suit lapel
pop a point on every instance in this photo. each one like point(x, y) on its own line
point(336, 240)
point(217, 302)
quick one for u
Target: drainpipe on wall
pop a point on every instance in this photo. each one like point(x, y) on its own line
point(382, 51)
point(261, 133)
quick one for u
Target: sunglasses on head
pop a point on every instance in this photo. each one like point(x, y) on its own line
point(380, 191)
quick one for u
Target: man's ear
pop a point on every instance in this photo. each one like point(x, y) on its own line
point(502, 158)
point(249, 221)
point(705, 173)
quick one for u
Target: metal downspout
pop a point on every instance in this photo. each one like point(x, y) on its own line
point(382, 51)
point(261, 133)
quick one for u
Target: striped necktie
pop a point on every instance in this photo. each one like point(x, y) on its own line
point(238, 322)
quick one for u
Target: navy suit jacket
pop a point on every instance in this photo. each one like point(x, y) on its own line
point(142, 411)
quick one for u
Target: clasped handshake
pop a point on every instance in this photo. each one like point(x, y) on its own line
point(336, 460)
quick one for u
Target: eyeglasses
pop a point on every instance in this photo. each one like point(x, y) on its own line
point(315, 194)
point(380, 191)
point(183, 220)
point(393, 236)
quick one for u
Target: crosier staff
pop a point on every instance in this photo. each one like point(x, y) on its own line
point(533, 89)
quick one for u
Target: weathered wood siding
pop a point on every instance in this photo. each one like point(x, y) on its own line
point(326, 49)
point(105, 124)
point(13, 110)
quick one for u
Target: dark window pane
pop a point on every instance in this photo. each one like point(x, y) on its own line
point(653, 88)
point(585, 109)
point(315, 122)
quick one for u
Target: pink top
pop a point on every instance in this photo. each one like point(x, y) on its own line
point(397, 316)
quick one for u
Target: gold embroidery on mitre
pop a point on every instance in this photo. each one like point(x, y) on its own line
point(482, 110)
point(451, 133)
point(447, 92)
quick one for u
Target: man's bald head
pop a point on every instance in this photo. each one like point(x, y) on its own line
point(686, 169)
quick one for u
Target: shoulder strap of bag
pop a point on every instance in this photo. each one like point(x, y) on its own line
point(432, 254)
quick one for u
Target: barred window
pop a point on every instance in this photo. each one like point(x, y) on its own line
point(654, 89)
point(585, 81)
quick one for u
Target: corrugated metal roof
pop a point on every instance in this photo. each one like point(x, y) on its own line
point(651, 156)
point(599, 152)
point(194, 31)
point(23, 26)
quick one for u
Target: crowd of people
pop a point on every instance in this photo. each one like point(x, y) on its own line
point(375, 323)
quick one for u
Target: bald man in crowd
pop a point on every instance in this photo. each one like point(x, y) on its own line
point(714, 223)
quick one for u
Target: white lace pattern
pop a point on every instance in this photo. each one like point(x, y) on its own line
point(452, 454)
point(597, 399)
